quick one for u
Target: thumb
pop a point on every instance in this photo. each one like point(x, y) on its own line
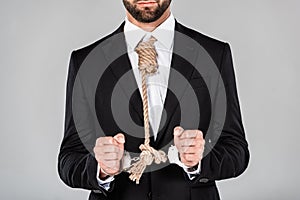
point(178, 130)
point(120, 138)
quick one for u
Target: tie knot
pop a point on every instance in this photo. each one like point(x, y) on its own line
point(147, 56)
point(152, 39)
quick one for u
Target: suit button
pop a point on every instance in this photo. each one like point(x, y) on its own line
point(203, 180)
point(97, 191)
point(150, 195)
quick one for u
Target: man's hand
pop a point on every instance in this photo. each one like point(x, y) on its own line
point(109, 153)
point(190, 145)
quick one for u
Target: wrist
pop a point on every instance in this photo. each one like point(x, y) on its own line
point(190, 166)
point(103, 175)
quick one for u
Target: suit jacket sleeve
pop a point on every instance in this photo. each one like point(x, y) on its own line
point(230, 155)
point(77, 167)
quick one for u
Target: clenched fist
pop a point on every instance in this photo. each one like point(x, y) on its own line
point(190, 145)
point(109, 153)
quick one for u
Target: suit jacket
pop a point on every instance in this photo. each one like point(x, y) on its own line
point(227, 158)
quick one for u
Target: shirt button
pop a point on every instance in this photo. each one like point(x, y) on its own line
point(203, 180)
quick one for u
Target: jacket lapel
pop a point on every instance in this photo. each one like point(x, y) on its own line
point(115, 51)
point(182, 46)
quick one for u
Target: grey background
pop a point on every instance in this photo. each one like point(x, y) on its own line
point(36, 39)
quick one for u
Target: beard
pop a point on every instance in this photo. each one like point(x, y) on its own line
point(147, 14)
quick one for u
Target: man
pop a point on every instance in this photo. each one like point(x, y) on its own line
point(98, 162)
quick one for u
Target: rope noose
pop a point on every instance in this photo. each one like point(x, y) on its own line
point(147, 66)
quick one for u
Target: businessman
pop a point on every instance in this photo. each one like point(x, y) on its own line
point(203, 155)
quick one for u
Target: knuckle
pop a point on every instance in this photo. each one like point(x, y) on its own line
point(191, 142)
point(97, 158)
point(96, 150)
point(109, 149)
point(113, 163)
point(114, 156)
point(194, 142)
point(109, 140)
point(116, 149)
point(99, 141)
point(192, 150)
point(202, 143)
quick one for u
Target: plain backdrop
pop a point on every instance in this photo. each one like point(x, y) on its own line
point(36, 39)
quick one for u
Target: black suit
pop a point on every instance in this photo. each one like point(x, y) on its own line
point(228, 158)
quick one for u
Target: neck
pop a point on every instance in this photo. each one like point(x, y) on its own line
point(149, 27)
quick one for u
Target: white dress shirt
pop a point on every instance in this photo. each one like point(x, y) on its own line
point(157, 84)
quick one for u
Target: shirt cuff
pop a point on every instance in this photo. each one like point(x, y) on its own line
point(104, 183)
point(173, 157)
point(191, 171)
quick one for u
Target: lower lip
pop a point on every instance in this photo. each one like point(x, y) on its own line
point(146, 3)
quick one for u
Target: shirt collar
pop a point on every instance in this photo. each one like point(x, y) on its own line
point(164, 33)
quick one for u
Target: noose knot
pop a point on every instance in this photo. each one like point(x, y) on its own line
point(147, 156)
point(147, 56)
point(157, 156)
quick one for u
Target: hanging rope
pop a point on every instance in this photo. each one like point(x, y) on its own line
point(147, 66)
